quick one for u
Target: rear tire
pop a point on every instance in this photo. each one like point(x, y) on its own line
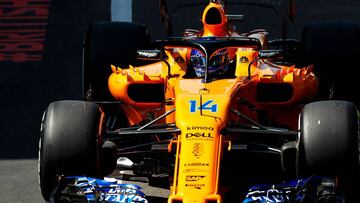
point(69, 142)
point(109, 43)
point(333, 48)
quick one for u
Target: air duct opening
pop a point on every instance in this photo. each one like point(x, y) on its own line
point(213, 17)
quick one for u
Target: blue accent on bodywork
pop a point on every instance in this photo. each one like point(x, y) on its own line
point(301, 190)
point(99, 190)
point(90, 190)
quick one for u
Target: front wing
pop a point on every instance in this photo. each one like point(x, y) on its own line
point(83, 189)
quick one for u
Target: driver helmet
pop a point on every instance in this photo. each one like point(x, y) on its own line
point(217, 65)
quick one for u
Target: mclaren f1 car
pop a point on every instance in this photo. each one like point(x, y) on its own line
point(215, 116)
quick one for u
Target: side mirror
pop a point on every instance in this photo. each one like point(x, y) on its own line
point(270, 54)
point(292, 51)
point(234, 18)
point(152, 55)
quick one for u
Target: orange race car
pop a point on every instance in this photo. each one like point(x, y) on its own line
point(211, 113)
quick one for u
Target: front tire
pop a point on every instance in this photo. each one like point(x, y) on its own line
point(69, 142)
point(329, 144)
point(329, 134)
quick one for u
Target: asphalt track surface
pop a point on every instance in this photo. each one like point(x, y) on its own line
point(47, 67)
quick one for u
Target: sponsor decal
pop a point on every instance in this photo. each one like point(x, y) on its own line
point(124, 198)
point(206, 106)
point(191, 170)
point(199, 128)
point(198, 135)
point(244, 59)
point(194, 178)
point(122, 191)
point(23, 29)
point(148, 54)
point(196, 164)
point(196, 186)
point(270, 198)
point(271, 195)
point(196, 54)
point(198, 149)
point(245, 49)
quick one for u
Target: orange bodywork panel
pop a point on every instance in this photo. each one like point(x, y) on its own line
point(211, 29)
point(120, 80)
point(198, 159)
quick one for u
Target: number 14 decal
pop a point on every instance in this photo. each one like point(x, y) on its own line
point(205, 106)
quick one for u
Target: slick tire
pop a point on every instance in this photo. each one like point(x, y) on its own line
point(107, 43)
point(69, 142)
point(329, 138)
point(333, 48)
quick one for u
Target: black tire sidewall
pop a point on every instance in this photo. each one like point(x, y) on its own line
point(69, 142)
point(329, 140)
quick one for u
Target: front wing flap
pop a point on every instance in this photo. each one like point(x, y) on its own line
point(83, 189)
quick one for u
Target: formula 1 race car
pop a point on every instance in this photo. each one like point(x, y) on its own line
point(215, 116)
